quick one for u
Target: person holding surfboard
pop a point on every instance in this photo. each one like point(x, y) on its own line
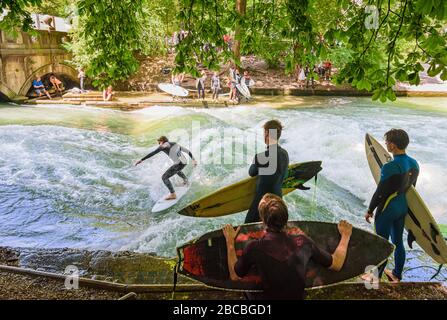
point(281, 259)
point(389, 199)
point(270, 167)
point(215, 86)
point(175, 152)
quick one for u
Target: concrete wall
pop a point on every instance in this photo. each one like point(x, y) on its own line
point(24, 57)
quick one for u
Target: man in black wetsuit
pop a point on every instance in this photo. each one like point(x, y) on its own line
point(270, 167)
point(175, 153)
point(280, 259)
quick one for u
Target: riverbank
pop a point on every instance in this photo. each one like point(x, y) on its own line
point(36, 274)
point(128, 100)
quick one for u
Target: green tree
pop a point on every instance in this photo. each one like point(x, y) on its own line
point(105, 37)
point(17, 16)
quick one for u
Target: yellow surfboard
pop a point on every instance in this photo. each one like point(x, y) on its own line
point(238, 196)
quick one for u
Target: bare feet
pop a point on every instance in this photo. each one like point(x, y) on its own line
point(171, 196)
point(391, 277)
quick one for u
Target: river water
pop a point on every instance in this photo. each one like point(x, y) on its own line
point(68, 180)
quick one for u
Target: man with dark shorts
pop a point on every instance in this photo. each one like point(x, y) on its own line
point(270, 167)
point(280, 259)
point(175, 152)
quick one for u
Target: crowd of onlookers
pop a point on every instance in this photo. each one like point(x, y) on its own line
point(306, 78)
point(232, 81)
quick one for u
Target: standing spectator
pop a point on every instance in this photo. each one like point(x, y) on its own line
point(328, 70)
point(81, 76)
point(312, 79)
point(301, 77)
point(233, 82)
point(39, 87)
point(200, 85)
point(246, 79)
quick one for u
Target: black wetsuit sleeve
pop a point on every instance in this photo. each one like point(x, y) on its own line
point(384, 190)
point(245, 261)
point(320, 256)
point(153, 153)
point(183, 149)
point(253, 170)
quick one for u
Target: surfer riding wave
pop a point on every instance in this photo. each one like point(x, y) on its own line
point(175, 152)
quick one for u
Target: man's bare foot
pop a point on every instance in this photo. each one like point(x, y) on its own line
point(171, 196)
point(367, 277)
point(391, 277)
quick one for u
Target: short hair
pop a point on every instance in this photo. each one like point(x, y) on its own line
point(274, 125)
point(399, 137)
point(273, 212)
point(163, 139)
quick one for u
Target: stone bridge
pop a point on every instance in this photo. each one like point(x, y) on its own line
point(25, 56)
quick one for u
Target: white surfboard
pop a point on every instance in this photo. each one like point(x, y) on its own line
point(173, 89)
point(419, 220)
point(243, 89)
point(163, 204)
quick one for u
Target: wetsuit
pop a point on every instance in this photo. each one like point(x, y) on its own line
point(391, 204)
point(267, 183)
point(281, 261)
point(215, 86)
point(174, 151)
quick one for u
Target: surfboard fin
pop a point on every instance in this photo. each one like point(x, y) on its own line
point(302, 187)
point(410, 239)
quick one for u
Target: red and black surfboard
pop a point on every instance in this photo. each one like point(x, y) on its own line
point(205, 259)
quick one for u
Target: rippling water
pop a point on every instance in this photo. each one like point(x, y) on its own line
point(67, 175)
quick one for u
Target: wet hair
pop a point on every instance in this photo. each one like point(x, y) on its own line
point(274, 125)
point(399, 137)
point(162, 139)
point(273, 212)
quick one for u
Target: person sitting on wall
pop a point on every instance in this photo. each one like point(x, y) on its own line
point(39, 88)
point(57, 84)
point(108, 93)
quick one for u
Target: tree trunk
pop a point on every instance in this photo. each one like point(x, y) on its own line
point(241, 6)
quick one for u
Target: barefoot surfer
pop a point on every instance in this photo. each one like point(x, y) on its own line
point(389, 200)
point(175, 152)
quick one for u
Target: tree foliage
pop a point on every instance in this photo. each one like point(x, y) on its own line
point(17, 16)
point(105, 38)
point(407, 34)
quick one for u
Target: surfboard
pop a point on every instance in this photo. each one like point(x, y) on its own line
point(420, 224)
point(163, 204)
point(243, 89)
point(173, 89)
point(205, 258)
point(237, 197)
